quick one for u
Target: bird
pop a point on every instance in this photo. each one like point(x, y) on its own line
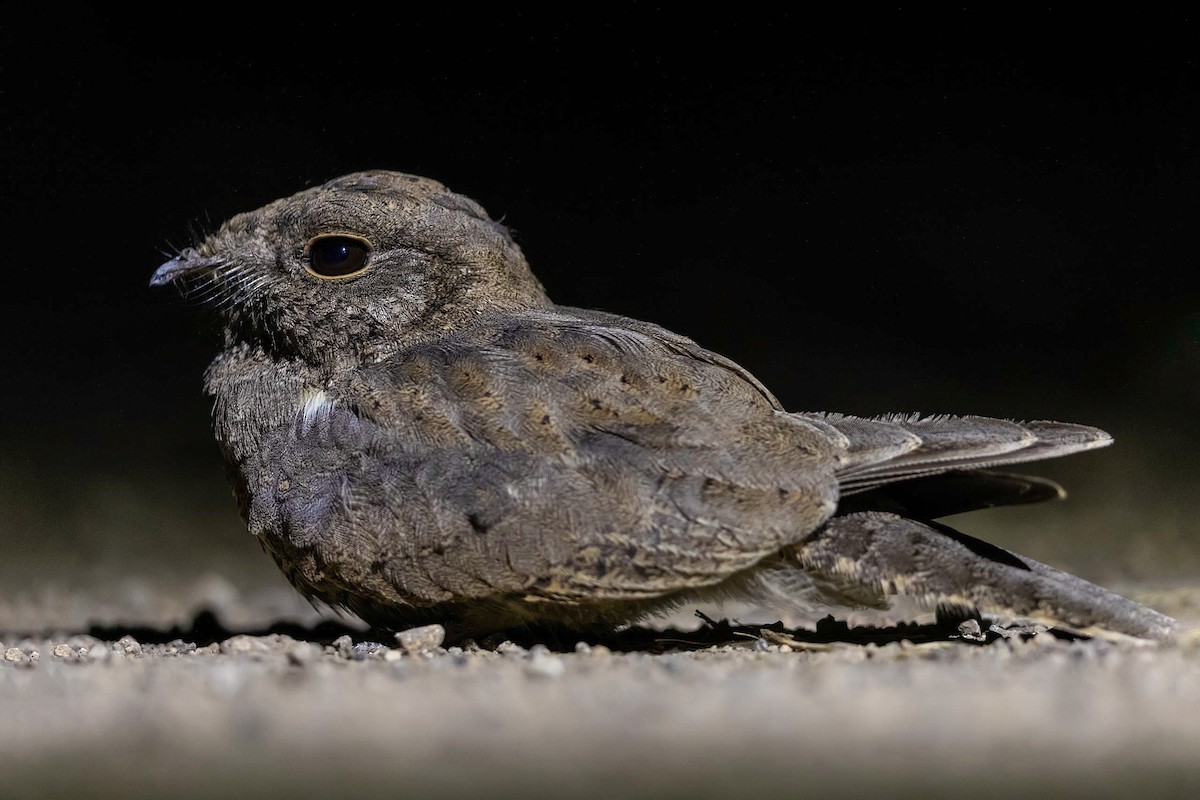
point(417, 434)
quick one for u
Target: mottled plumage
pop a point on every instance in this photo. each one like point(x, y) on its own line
point(417, 433)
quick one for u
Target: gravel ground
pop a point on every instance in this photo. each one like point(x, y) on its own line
point(129, 711)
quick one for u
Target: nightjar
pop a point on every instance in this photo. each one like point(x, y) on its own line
point(417, 433)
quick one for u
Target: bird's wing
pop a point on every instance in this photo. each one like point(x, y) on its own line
point(573, 458)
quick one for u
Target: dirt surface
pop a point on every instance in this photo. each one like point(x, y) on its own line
point(310, 708)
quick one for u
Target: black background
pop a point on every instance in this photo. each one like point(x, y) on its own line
point(941, 211)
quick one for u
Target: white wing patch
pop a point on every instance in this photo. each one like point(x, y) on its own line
point(315, 406)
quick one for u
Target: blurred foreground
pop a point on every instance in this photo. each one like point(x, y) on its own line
point(280, 716)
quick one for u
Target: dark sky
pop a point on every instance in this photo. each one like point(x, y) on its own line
point(948, 212)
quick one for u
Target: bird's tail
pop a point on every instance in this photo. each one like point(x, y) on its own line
point(901, 447)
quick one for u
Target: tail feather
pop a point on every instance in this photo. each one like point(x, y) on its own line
point(900, 447)
point(869, 441)
point(952, 492)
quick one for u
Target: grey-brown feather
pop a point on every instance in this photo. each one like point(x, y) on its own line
point(434, 439)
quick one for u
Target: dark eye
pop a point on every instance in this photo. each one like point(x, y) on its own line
point(338, 256)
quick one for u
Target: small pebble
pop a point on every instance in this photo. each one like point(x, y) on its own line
point(507, 648)
point(344, 646)
point(544, 664)
point(970, 630)
point(244, 643)
point(304, 653)
point(364, 650)
point(426, 638)
point(1023, 629)
point(128, 645)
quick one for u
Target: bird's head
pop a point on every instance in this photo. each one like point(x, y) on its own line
point(352, 265)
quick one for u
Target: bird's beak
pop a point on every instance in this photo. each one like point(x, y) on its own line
point(184, 265)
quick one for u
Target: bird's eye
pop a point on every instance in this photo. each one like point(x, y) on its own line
point(338, 256)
